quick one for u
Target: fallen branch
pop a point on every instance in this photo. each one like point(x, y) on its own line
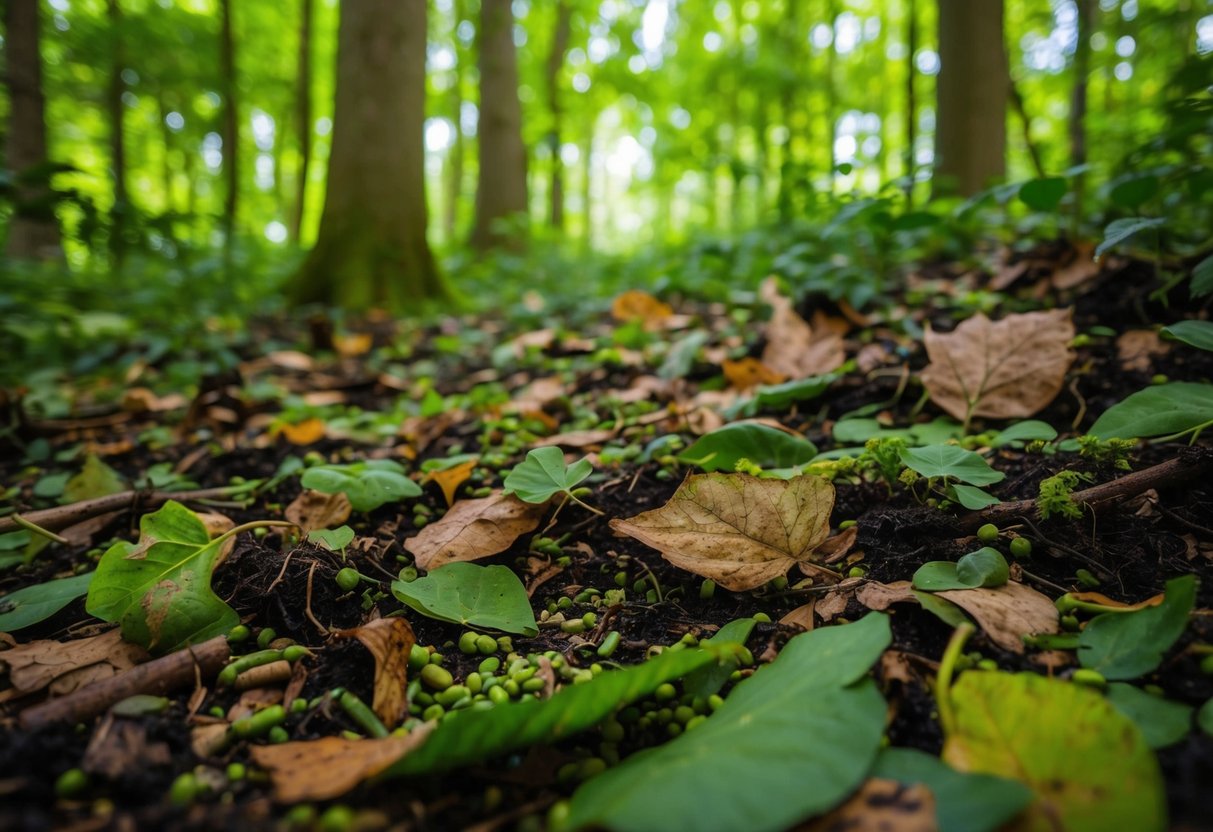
point(1188, 466)
point(60, 517)
point(157, 677)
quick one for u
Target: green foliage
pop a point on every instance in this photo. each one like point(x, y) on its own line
point(1026, 431)
point(1173, 409)
point(1202, 278)
point(801, 735)
point(1122, 230)
point(1054, 499)
point(335, 540)
point(160, 590)
point(1043, 194)
point(1114, 452)
point(467, 593)
point(96, 479)
point(1126, 645)
point(543, 475)
point(781, 396)
point(764, 446)
point(368, 485)
point(949, 461)
point(1162, 721)
point(985, 567)
point(963, 802)
point(31, 604)
point(1198, 334)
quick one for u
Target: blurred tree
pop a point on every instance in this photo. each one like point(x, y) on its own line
point(33, 231)
point(117, 118)
point(971, 96)
point(501, 191)
point(560, 45)
point(231, 121)
point(303, 115)
point(371, 249)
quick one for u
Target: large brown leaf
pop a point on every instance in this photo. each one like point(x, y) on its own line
point(1007, 369)
point(389, 640)
point(794, 349)
point(474, 529)
point(738, 530)
point(1007, 613)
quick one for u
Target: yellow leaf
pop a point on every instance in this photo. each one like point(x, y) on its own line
point(637, 305)
point(749, 372)
point(303, 433)
point(389, 641)
point(451, 478)
point(354, 344)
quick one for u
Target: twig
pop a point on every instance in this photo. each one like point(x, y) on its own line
point(60, 517)
point(159, 676)
point(307, 609)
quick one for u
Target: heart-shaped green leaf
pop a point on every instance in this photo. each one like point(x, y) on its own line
point(762, 445)
point(96, 479)
point(543, 475)
point(466, 593)
point(1125, 645)
point(368, 484)
point(160, 589)
point(951, 461)
point(1025, 431)
point(39, 602)
point(985, 567)
point(973, 498)
point(332, 539)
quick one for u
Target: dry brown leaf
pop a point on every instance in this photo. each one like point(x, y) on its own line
point(749, 372)
point(577, 438)
point(793, 348)
point(312, 510)
point(1080, 270)
point(329, 767)
point(389, 640)
point(450, 479)
point(474, 529)
point(1007, 369)
point(353, 344)
point(65, 666)
point(738, 530)
point(1137, 349)
point(291, 360)
point(1007, 613)
point(635, 304)
point(836, 547)
point(304, 433)
point(121, 745)
point(881, 806)
point(539, 339)
point(877, 596)
point(801, 617)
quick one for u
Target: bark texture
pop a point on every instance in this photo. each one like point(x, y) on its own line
point(371, 249)
point(560, 45)
point(971, 96)
point(501, 191)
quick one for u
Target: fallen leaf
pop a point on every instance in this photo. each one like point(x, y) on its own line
point(801, 617)
point(836, 547)
point(291, 360)
point(474, 529)
point(1137, 349)
point(749, 372)
point(539, 339)
point(120, 746)
point(313, 510)
point(389, 641)
point(877, 596)
point(637, 305)
point(881, 806)
point(1007, 613)
point(738, 530)
point(793, 350)
point(303, 433)
point(65, 666)
point(577, 438)
point(1079, 270)
point(353, 344)
point(1007, 369)
point(449, 479)
point(329, 767)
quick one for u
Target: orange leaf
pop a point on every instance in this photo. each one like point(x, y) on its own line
point(635, 304)
point(389, 640)
point(451, 478)
point(749, 372)
point(355, 344)
point(303, 433)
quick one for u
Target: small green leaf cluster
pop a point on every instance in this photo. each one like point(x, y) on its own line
point(1114, 452)
point(1055, 498)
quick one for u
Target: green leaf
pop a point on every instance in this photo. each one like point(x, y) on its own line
point(951, 461)
point(1131, 192)
point(985, 567)
point(680, 357)
point(1118, 231)
point(39, 602)
point(1125, 645)
point(471, 736)
point(1025, 431)
point(974, 498)
point(782, 396)
point(1198, 334)
point(543, 475)
point(943, 609)
point(1202, 278)
point(936, 432)
point(12, 541)
point(51, 486)
point(790, 742)
point(332, 539)
point(1162, 721)
point(160, 590)
point(764, 446)
point(96, 479)
point(368, 485)
point(1161, 410)
point(963, 802)
point(1044, 193)
point(1204, 717)
point(1088, 766)
point(466, 593)
point(708, 680)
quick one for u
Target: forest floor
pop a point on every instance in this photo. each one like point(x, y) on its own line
point(459, 405)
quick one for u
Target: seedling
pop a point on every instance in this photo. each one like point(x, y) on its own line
point(543, 475)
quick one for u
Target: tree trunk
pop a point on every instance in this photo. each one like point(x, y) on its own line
point(371, 249)
point(1078, 101)
point(33, 231)
point(501, 191)
point(454, 158)
point(230, 127)
point(303, 116)
point(911, 100)
point(560, 45)
point(117, 113)
point(971, 96)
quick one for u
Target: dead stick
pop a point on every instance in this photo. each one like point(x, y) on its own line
point(1100, 497)
point(156, 677)
point(60, 517)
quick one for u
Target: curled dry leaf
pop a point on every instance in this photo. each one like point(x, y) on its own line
point(801, 617)
point(1007, 369)
point(389, 640)
point(474, 529)
point(877, 596)
point(1007, 613)
point(794, 349)
point(577, 438)
point(312, 510)
point(738, 530)
point(329, 767)
point(885, 805)
point(836, 547)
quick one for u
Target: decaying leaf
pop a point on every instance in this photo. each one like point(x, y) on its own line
point(1007, 613)
point(801, 617)
point(474, 529)
point(389, 640)
point(449, 479)
point(877, 596)
point(637, 305)
point(793, 348)
point(65, 666)
point(313, 510)
point(738, 530)
point(1007, 369)
point(881, 806)
point(749, 372)
point(1138, 349)
point(329, 767)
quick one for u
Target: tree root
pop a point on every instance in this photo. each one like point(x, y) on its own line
point(157, 677)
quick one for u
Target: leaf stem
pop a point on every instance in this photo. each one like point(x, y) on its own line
point(250, 526)
point(943, 679)
point(31, 526)
point(585, 505)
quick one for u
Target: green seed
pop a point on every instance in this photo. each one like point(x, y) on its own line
point(436, 677)
point(1021, 547)
point(451, 695)
point(266, 635)
point(1090, 678)
point(609, 644)
point(337, 818)
point(856, 572)
point(1206, 665)
point(347, 579)
point(707, 589)
point(505, 644)
point(780, 583)
point(846, 524)
point(715, 701)
point(300, 815)
point(71, 783)
point(533, 685)
point(434, 711)
point(238, 634)
point(278, 734)
point(184, 789)
point(486, 645)
point(762, 618)
point(696, 721)
point(572, 627)
point(295, 652)
point(419, 657)
point(684, 714)
point(474, 683)
point(490, 665)
point(988, 533)
point(299, 705)
point(613, 731)
point(236, 771)
point(665, 692)
point(498, 695)
point(589, 620)
point(260, 723)
point(467, 643)
point(621, 579)
point(1085, 578)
